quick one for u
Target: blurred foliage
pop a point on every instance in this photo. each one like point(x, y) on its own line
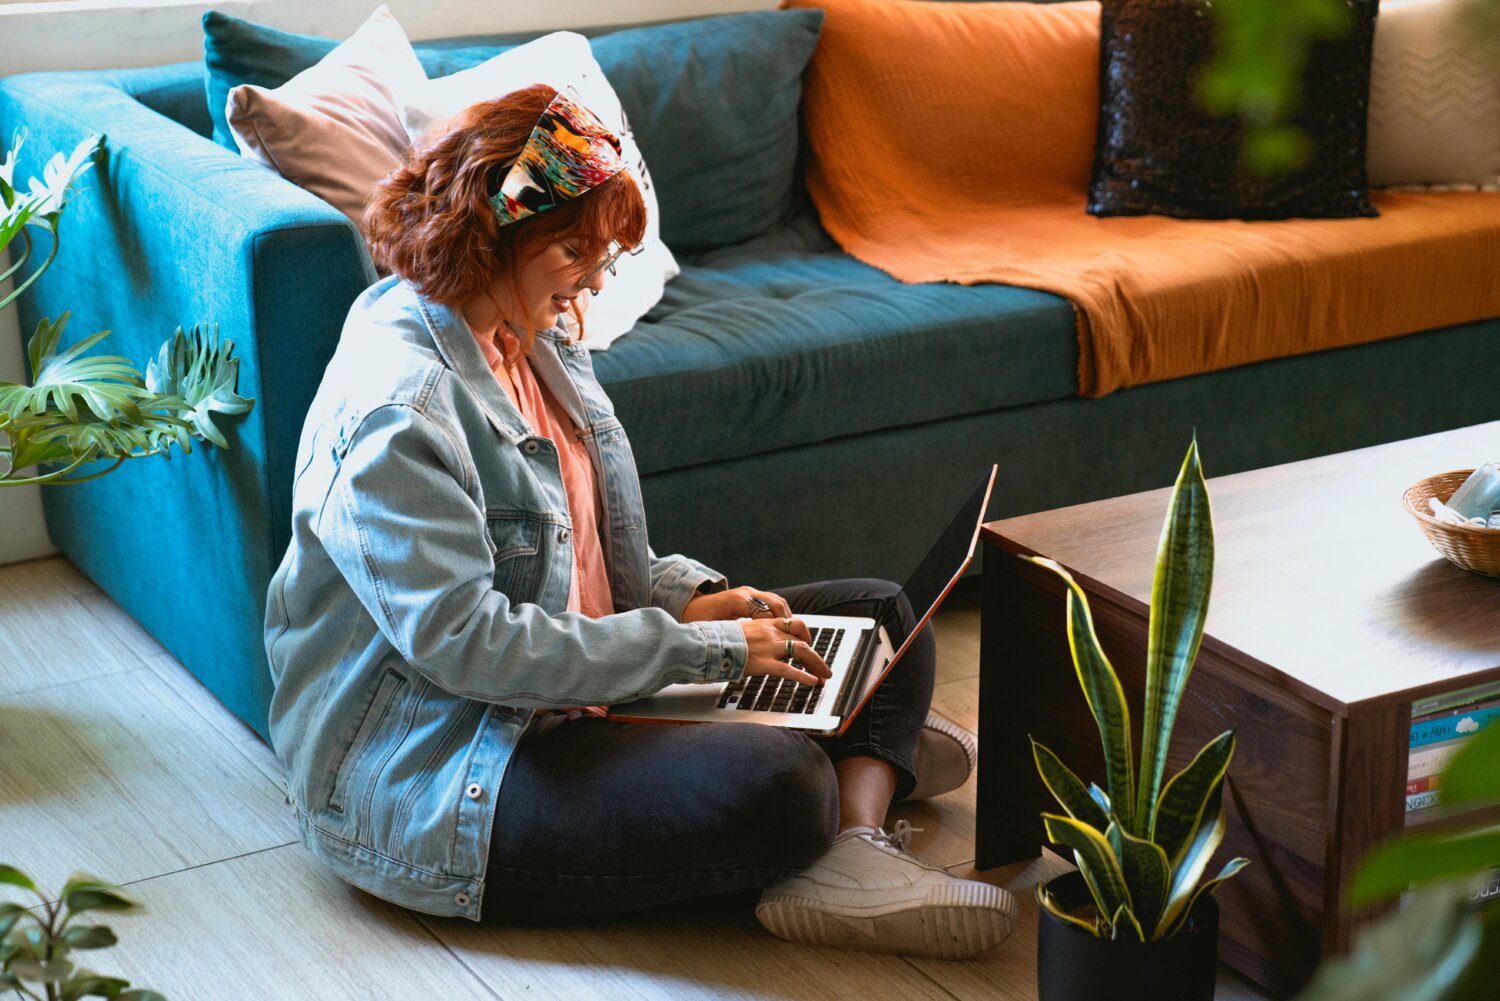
point(1261, 50)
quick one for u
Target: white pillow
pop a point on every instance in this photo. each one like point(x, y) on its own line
point(1434, 97)
point(562, 59)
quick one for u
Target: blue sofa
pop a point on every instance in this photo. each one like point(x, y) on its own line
point(795, 413)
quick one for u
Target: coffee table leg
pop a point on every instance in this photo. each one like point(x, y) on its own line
point(1008, 826)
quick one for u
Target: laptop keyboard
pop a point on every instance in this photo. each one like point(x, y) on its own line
point(768, 693)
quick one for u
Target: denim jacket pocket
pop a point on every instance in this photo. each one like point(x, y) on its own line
point(515, 539)
point(375, 721)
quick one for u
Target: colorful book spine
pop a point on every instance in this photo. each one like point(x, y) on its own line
point(1435, 739)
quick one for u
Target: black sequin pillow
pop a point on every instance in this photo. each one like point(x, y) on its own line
point(1157, 153)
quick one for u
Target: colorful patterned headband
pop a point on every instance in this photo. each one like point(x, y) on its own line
point(569, 152)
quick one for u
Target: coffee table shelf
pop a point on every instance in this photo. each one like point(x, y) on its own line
point(1330, 616)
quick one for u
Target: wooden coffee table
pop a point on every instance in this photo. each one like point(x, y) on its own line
point(1330, 614)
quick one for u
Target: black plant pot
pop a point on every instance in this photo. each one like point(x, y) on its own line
point(1072, 965)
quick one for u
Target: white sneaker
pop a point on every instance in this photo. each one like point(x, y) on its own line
point(867, 892)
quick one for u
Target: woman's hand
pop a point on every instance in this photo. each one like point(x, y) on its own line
point(767, 641)
point(735, 604)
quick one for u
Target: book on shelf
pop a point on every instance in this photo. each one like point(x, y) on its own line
point(1440, 727)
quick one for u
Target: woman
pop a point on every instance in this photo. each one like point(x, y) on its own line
point(469, 557)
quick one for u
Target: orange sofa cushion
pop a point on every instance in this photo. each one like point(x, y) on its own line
point(954, 142)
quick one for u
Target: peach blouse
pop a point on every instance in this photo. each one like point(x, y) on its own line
point(589, 591)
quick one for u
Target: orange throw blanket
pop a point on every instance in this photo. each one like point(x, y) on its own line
point(954, 142)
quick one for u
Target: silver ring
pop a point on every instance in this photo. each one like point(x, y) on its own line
point(786, 624)
point(756, 605)
point(788, 656)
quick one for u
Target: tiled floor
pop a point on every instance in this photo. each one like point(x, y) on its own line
point(116, 761)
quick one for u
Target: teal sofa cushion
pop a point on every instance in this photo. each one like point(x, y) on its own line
point(786, 341)
point(713, 101)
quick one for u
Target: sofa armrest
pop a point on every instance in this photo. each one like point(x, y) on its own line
point(172, 229)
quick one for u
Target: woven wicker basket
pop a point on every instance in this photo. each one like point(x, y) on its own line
point(1475, 549)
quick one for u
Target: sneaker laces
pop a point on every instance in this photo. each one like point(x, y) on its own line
point(898, 837)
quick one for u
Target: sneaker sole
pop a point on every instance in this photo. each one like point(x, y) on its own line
point(950, 922)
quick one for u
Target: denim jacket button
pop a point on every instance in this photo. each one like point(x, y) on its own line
point(474, 791)
point(562, 535)
point(461, 899)
point(728, 663)
point(531, 447)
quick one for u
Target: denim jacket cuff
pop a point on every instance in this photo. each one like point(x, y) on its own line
point(726, 653)
point(684, 581)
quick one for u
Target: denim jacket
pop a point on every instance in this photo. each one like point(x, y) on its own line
point(419, 616)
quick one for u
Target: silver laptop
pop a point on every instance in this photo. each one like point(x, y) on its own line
point(857, 649)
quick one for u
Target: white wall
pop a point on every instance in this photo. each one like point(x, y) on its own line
point(98, 34)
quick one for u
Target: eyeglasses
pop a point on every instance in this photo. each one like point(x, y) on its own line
point(611, 258)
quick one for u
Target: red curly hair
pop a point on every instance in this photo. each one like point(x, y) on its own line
point(430, 220)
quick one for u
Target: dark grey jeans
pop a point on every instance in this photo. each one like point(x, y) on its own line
point(598, 818)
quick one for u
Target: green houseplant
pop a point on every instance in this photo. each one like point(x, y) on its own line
point(36, 948)
point(1435, 947)
point(100, 408)
point(1142, 844)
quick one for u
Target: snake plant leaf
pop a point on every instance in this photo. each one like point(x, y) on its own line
point(1182, 798)
point(1147, 873)
point(1179, 606)
point(202, 371)
point(1206, 889)
point(1424, 859)
point(1473, 776)
point(1095, 859)
point(1048, 901)
point(1418, 953)
point(1101, 797)
point(1188, 868)
point(1067, 788)
point(1105, 696)
point(106, 386)
point(1124, 927)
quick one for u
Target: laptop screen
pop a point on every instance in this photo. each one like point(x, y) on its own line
point(947, 557)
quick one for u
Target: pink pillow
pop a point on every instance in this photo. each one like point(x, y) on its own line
point(335, 128)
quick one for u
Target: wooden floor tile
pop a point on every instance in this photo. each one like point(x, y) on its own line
point(273, 926)
point(47, 637)
point(956, 625)
point(701, 950)
point(117, 776)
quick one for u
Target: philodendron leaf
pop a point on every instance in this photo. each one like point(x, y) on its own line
point(1417, 953)
point(1183, 796)
point(1147, 874)
point(106, 386)
point(1179, 606)
point(1473, 776)
point(1424, 859)
point(83, 892)
point(1208, 833)
point(1067, 788)
point(45, 971)
point(88, 937)
point(87, 983)
point(1096, 860)
point(203, 372)
point(1105, 696)
point(15, 877)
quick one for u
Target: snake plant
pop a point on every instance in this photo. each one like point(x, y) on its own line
point(99, 408)
point(1143, 845)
